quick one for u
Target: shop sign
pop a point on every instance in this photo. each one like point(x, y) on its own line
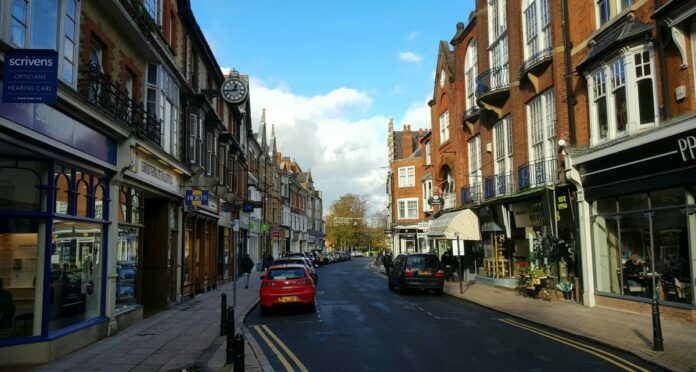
point(277, 234)
point(55, 125)
point(254, 227)
point(248, 207)
point(235, 225)
point(156, 175)
point(687, 148)
point(244, 221)
point(197, 197)
point(31, 76)
point(265, 227)
point(435, 200)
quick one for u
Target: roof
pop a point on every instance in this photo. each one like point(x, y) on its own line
point(625, 30)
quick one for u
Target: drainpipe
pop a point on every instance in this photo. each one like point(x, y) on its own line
point(570, 99)
point(584, 232)
point(667, 107)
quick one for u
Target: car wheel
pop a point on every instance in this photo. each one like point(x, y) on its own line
point(391, 286)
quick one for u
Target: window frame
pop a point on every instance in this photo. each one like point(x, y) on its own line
point(444, 126)
point(407, 176)
point(405, 202)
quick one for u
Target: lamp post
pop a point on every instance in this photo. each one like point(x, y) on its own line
point(658, 344)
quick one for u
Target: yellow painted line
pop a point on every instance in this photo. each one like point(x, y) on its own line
point(611, 358)
point(275, 350)
point(287, 350)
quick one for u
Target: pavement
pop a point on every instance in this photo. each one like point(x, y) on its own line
point(623, 330)
point(184, 337)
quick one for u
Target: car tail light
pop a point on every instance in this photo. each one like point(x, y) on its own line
point(440, 274)
point(409, 273)
point(268, 284)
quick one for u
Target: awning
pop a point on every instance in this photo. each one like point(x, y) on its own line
point(463, 222)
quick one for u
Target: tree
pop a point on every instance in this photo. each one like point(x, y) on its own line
point(345, 223)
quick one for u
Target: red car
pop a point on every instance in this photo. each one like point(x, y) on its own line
point(285, 285)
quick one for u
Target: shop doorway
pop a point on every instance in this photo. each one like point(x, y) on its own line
point(155, 276)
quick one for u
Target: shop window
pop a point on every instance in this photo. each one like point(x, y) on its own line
point(672, 262)
point(127, 253)
point(62, 193)
point(633, 202)
point(607, 256)
point(668, 197)
point(21, 185)
point(20, 245)
point(99, 202)
point(130, 205)
point(605, 206)
point(76, 273)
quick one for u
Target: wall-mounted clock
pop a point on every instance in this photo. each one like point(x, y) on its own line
point(234, 90)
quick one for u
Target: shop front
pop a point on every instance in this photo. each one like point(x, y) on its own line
point(200, 251)
point(225, 251)
point(55, 175)
point(641, 197)
point(456, 235)
point(405, 239)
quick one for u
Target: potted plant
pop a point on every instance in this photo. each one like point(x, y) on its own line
point(565, 287)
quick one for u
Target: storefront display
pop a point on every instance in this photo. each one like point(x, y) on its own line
point(128, 245)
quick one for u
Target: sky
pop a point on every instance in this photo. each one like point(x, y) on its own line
point(331, 74)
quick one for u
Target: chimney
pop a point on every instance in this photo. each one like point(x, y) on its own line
point(406, 142)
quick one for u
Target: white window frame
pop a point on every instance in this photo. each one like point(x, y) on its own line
point(541, 126)
point(502, 146)
point(165, 91)
point(444, 127)
point(470, 73)
point(428, 155)
point(612, 7)
point(536, 26)
point(407, 176)
point(156, 7)
point(67, 63)
point(405, 208)
point(474, 160)
point(427, 194)
point(602, 83)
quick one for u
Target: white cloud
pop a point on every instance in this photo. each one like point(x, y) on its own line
point(413, 36)
point(325, 134)
point(410, 57)
point(417, 115)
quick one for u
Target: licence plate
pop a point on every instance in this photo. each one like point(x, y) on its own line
point(287, 299)
point(425, 273)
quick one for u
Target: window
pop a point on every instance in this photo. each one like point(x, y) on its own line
point(444, 127)
point(47, 24)
point(209, 145)
point(427, 194)
point(622, 96)
point(502, 140)
point(475, 175)
point(537, 27)
point(428, 157)
point(541, 113)
point(154, 9)
point(162, 101)
point(608, 9)
point(408, 208)
point(498, 44)
point(470, 72)
point(407, 176)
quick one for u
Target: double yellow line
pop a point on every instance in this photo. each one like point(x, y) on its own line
point(267, 335)
point(611, 358)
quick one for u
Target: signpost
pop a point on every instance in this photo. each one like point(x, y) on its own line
point(31, 76)
point(197, 197)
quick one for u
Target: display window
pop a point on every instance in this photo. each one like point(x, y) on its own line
point(128, 247)
point(642, 245)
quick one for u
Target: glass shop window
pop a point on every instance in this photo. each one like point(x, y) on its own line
point(20, 297)
point(20, 185)
point(76, 273)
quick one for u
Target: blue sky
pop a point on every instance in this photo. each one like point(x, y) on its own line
point(330, 75)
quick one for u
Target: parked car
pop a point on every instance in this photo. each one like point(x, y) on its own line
point(417, 271)
point(304, 255)
point(286, 285)
point(300, 260)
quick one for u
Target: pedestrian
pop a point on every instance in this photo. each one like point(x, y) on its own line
point(446, 261)
point(268, 261)
point(247, 264)
point(387, 260)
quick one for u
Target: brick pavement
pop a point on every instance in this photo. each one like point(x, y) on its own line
point(186, 336)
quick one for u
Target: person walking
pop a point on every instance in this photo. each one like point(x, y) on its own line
point(387, 260)
point(247, 264)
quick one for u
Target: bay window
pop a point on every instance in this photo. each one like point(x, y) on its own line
point(622, 95)
point(46, 24)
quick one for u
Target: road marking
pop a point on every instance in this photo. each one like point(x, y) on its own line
point(275, 350)
point(611, 358)
point(287, 350)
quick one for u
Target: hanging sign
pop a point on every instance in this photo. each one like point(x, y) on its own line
point(197, 197)
point(31, 76)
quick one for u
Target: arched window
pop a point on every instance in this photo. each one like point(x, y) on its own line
point(99, 201)
point(62, 193)
point(124, 204)
point(82, 198)
point(21, 185)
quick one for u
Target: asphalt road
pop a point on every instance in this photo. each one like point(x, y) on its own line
point(360, 325)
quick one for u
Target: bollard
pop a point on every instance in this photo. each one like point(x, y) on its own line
point(239, 353)
point(223, 315)
point(229, 357)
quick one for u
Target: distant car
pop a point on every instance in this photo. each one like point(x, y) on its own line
point(308, 256)
point(286, 285)
point(417, 271)
point(299, 260)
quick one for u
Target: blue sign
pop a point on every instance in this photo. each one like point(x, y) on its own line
point(248, 207)
point(31, 76)
point(196, 197)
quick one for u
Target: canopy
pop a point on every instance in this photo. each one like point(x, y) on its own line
point(464, 222)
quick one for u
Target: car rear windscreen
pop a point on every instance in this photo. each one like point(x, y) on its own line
point(422, 261)
point(285, 274)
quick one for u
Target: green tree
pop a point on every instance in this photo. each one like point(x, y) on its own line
point(346, 222)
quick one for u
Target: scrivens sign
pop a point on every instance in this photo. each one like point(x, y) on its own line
point(31, 76)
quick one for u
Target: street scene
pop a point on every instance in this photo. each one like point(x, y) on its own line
point(219, 185)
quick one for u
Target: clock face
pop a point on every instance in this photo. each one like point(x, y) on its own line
point(234, 90)
point(442, 78)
